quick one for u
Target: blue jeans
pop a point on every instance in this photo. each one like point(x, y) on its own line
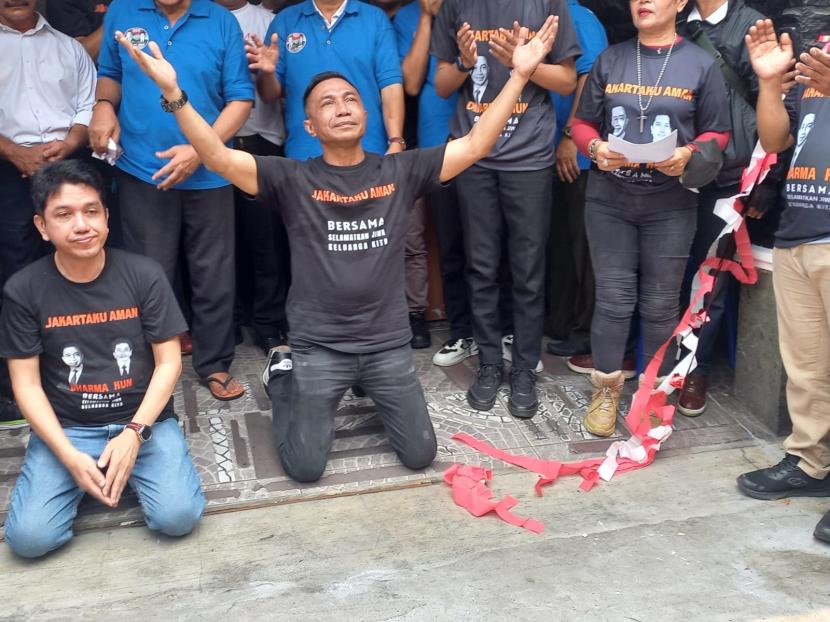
point(45, 499)
point(305, 401)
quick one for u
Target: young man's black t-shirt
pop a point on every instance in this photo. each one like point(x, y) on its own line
point(691, 98)
point(526, 141)
point(76, 18)
point(94, 339)
point(347, 229)
point(806, 217)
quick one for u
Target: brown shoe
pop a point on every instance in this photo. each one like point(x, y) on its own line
point(601, 419)
point(692, 400)
point(584, 364)
point(186, 344)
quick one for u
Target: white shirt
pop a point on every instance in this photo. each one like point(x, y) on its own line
point(337, 14)
point(265, 119)
point(715, 18)
point(48, 84)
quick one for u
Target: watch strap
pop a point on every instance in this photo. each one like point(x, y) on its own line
point(143, 432)
point(173, 106)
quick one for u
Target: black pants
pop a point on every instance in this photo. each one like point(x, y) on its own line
point(512, 206)
point(304, 403)
point(263, 248)
point(157, 223)
point(708, 228)
point(639, 250)
point(570, 277)
point(20, 242)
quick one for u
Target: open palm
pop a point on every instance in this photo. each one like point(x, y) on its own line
point(156, 67)
point(771, 57)
point(528, 54)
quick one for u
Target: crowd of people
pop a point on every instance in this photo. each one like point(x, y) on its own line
point(276, 166)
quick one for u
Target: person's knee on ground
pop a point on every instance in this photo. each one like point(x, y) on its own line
point(420, 452)
point(32, 537)
point(177, 515)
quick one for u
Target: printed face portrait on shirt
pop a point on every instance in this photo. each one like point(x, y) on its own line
point(807, 124)
point(73, 358)
point(619, 121)
point(480, 76)
point(122, 352)
point(661, 127)
point(335, 113)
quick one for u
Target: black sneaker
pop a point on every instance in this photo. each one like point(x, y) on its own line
point(278, 363)
point(482, 395)
point(822, 531)
point(523, 402)
point(783, 480)
point(10, 417)
point(269, 343)
point(420, 331)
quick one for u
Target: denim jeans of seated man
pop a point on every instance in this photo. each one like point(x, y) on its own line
point(45, 499)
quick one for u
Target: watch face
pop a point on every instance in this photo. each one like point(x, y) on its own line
point(146, 433)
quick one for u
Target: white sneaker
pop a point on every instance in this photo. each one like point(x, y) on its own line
point(278, 363)
point(453, 352)
point(507, 353)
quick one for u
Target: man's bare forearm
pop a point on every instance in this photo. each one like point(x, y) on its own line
point(448, 79)
point(77, 137)
point(163, 382)
point(772, 117)
point(393, 109)
point(232, 118)
point(415, 63)
point(109, 89)
point(560, 78)
point(7, 147)
point(92, 42)
point(268, 87)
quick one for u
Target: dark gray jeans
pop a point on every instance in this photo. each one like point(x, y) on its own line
point(304, 403)
point(639, 249)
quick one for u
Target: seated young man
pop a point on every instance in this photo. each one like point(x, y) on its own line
point(346, 214)
point(95, 427)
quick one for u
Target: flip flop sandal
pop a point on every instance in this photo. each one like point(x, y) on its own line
point(211, 380)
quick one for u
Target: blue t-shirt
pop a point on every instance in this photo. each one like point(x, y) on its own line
point(434, 112)
point(592, 40)
point(361, 46)
point(206, 48)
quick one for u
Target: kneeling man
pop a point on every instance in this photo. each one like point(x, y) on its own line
point(346, 214)
point(96, 431)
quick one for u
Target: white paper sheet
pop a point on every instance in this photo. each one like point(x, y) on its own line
point(649, 152)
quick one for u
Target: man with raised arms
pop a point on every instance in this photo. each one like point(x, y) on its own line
point(346, 214)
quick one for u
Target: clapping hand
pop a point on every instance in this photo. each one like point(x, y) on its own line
point(528, 54)
point(814, 70)
point(467, 50)
point(771, 57)
point(262, 57)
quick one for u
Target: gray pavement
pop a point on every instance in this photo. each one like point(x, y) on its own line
point(674, 541)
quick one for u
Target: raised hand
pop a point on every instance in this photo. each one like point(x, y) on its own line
point(528, 54)
point(262, 57)
point(814, 70)
point(502, 48)
point(467, 50)
point(156, 67)
point(771, 57)
point(430, 7)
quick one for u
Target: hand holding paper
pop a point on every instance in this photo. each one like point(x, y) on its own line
point(657, 151)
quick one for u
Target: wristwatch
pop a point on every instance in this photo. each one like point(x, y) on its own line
point(567, 131)
point(397, 139)
point(174, 105)
point(144, 432)
point(461, 67)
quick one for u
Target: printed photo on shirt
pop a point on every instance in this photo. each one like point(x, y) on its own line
point(661, 127)
point(807, 124)
point(619, 121)
point(122, 352)
point(481, 78)
point(73, 358)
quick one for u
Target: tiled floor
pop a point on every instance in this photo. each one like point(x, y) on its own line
point(231, 441)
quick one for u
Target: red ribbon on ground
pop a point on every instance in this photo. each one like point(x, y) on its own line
point(469, 482)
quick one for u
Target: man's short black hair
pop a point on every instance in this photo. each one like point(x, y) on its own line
point(49, 180)
point(322, 77)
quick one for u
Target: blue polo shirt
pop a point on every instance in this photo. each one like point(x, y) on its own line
point(434, 112)
point(361, 46)
point(592, 40)
point(206, 48)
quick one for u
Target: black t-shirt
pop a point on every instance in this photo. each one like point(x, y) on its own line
point(807, 191)
point(691, 98)
point(347, 230)
point(526, 141)
point(76, 18)
point(93, 338)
